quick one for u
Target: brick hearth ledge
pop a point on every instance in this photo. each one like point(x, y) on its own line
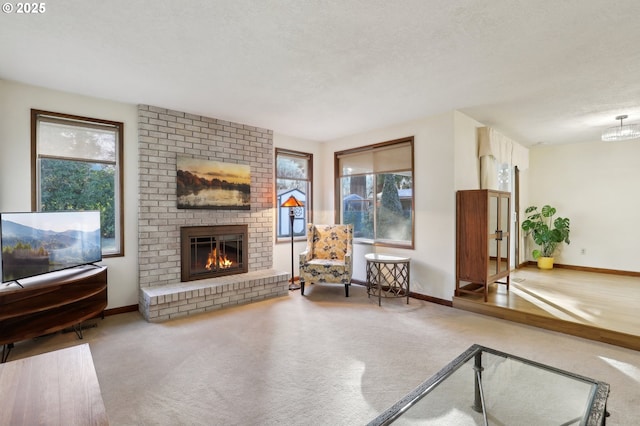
point(164, 302)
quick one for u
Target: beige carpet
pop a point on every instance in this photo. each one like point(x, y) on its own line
point(321, 359)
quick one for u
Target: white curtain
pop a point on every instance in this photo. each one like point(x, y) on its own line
point(495, 148)
point(488, 172)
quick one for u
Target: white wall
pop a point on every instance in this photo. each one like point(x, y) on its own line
point(466, 164)
point(595, 185)
point(445, 157)
point(583, 181)
point(435, 150)
point(445, 151)
point(16, 101)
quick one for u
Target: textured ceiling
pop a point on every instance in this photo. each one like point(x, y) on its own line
point(538, 71)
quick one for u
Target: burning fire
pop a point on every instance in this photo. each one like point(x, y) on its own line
point(223, 262)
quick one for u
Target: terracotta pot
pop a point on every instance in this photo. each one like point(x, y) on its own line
point(545, 262)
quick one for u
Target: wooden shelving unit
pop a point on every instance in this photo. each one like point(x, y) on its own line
point(51, 302)
point(482, 240)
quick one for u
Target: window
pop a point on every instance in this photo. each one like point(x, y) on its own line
point(77, 165)
point(294, 172)
point(504, 173)
point(375, 192)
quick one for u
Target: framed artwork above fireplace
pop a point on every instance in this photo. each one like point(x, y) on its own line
point(208, 184)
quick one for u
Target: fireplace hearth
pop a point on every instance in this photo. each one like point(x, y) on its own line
point(213, 251)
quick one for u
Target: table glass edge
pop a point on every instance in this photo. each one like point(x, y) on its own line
point(596, 402)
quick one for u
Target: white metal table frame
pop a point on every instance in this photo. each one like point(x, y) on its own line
point(388, 276)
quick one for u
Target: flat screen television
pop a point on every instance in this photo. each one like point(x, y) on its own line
point(35, 243)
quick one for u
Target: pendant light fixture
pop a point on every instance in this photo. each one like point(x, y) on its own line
point(621, 132)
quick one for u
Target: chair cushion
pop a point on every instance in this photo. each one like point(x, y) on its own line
point(326, 262)
point(330, 242)
point(325, 271)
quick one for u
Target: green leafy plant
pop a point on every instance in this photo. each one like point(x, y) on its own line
point(546, 231)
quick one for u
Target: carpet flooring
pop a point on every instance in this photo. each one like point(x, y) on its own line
point(321, 359)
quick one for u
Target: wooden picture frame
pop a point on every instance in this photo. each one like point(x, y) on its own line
point(210, 184)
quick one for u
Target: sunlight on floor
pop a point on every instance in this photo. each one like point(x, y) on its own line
point(628, 370)
point(596, 306)
point(548, 306)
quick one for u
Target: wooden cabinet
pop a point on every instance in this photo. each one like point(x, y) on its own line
point(51, 302)
point(482, 240)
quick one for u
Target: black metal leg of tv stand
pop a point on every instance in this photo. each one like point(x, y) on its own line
point(6, 348)
point(78, 329)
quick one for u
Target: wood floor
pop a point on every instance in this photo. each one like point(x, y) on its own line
point(595, 306)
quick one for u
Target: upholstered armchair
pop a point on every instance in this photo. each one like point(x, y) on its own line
point(328, 256)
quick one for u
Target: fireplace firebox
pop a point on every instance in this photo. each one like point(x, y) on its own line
point(213, 251)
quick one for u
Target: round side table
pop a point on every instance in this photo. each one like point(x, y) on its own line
point(387, 276)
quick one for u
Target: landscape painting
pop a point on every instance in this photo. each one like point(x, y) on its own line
point(206, 184)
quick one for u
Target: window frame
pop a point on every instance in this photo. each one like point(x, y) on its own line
point(338, 185)
point(82, 121)
point(308, 208)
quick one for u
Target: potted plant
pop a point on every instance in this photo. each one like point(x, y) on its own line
point(546, 232)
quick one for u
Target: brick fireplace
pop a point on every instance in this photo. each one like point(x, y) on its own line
point(163, 135)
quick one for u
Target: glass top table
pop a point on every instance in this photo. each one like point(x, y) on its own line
point(483, 386)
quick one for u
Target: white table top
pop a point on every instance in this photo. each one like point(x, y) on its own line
point(385, 258)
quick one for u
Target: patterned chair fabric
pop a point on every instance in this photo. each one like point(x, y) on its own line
point(328, 256)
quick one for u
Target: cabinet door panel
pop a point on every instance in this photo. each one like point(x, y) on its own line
point(504, 210)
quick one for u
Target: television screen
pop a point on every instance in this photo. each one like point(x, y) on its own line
point(36, 243)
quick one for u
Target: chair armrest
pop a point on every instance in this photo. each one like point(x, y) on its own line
point(305, 256)
point(348, 262)
point(348, 256)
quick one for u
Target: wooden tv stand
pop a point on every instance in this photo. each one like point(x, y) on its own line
point(51, 302)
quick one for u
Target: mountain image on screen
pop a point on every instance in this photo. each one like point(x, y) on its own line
point(38, 243)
